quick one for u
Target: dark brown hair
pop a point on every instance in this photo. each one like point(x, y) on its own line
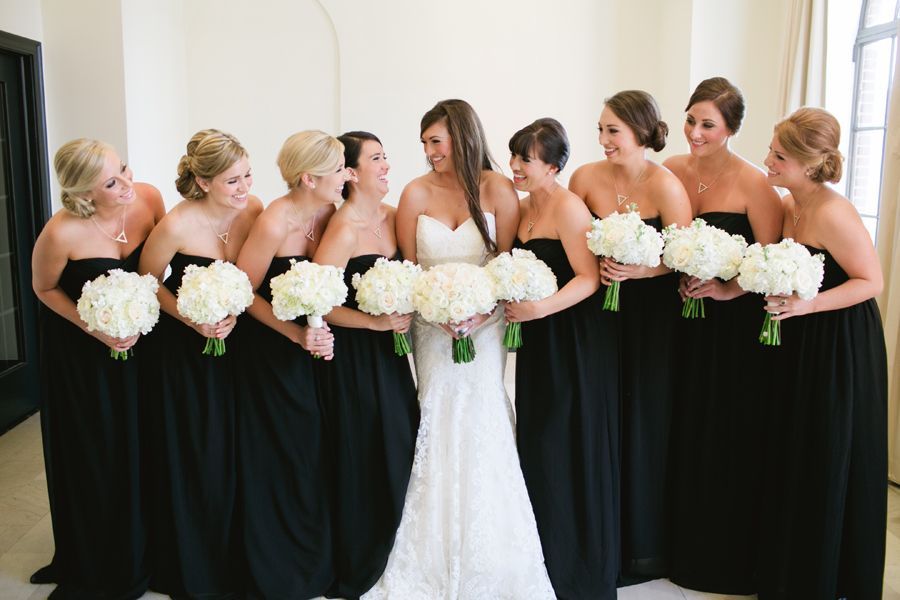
point(353, 143)
point(470, 154)
point(640, 112)
point(727, 98)
point(546, 138)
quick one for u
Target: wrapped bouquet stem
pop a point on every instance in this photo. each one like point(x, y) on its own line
point(387, 288)
point(520, 276)
point(120, 304)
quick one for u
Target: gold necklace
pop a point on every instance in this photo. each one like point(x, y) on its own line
point(702, 187)
point(376, 230)
point(623, 198)
point(222, 236)
point(312, 226)
point(534, 209)
point(121, 238)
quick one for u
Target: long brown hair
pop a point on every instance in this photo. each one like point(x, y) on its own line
point(470, 154)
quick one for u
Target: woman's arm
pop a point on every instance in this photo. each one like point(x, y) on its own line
point(411, 205)
point(505, 202)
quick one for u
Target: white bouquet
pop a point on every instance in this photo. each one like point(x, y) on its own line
point(780, 269)
point(704, 252)
point(209, 294)
point(308, 289)
point(520, 276)
point(388, 288)
point(120, 305)
point(452, 292)
point(626, 239)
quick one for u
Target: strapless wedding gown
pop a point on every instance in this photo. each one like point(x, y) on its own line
point(468, 530)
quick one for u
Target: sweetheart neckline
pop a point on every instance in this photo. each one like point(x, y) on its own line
point(450, 229)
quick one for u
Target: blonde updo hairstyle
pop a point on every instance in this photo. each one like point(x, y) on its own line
point(812, 136)
point(209, 152)
point(78, 165)
point(309, 152)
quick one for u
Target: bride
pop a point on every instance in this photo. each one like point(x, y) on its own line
point(467, 530)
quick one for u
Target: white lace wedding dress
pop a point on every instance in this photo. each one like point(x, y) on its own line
point(468, 530)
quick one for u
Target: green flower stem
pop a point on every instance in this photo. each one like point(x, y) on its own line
point(463, 350)
point(401, 344)
point(214, 347)
point(693, 308)
point(770, 335)
point(611, 299)
point(120, 354)
point(512, 337)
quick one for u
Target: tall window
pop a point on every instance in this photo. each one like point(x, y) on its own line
point(873, 54)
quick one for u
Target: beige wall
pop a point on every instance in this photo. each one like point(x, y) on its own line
point(145, 74)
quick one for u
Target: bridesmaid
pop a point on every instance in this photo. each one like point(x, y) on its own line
point(650, 308)
point(190, 399)
point(825, 507)
point(716, 425)
point(89, 402)
point(567, 378)
point(281, 453)
point(369, 396)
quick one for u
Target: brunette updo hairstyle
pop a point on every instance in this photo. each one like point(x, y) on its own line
point(78, 165)
point(812, 135)
point(726, 97)
point(545, 138)
point(209, 152)
point(640, 112)
point(310, 152)
point(353, 143)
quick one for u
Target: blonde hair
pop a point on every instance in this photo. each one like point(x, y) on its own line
point(812, 135)
point(310, 152)
point(78, 165)
point(209, 152)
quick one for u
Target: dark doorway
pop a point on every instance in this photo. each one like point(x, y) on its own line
point(24, 207)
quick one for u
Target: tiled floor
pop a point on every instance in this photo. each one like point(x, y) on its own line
point(26, 539)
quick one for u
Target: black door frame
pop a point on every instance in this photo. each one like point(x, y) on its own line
point(37, 180)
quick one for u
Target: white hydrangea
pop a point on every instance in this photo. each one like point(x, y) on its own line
point(452, 292)
point(209, 294)
point(520, 276)
point(387, 287)
point(782, 269)
point(703, 251)
point(307, 289)
point(120, 304)
point(625, 238)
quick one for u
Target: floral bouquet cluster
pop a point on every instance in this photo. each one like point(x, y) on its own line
point(780, 269)
point(388, 288)
point(452, 292)
point(209, 294)
point(121, 304)
point(626, 239)
point(308, 289)
point(704, 252)
point(520, 276)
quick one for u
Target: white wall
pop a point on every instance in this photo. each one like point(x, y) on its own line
point(22, 18)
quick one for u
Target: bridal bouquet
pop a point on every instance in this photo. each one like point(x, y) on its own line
point(308, 289)
point(626, 239)
point(704, 252)
point(120, 305)
point(388, 288)
point(452, 292)
point(209, 294)
point(780, 269)
point(520, 276)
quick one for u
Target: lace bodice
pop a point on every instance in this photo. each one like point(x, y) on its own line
point(437, 244)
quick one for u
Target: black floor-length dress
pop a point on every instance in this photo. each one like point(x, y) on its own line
point(190, 458)
point(650, 311)
point(825, 477)
point(89, 426)
point(282, 462)
point(372, 416)
point(567, 433)
point(716, 439)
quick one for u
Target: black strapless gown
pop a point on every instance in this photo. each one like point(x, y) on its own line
point(567, 433)
point(650, 312)
point(89, 426)
point(372, 416)
point(825, 477)
point(190, 458)
point(716, 439)
point(286, 523)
